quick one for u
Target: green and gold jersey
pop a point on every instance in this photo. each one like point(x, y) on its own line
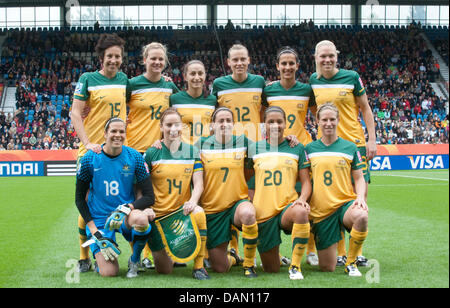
point(341, 90)
point(276, 172)
point(244, 99)
point(331, 168)
point(224, 180)
point(147, 101)
point(171, 175)
point(195, 113)
point(106, 98)
point(295, 103)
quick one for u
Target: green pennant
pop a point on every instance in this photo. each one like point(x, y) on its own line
point(180, 236)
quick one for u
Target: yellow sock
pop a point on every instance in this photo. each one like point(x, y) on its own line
point(147, 253)
point(234, 243)
point(200, 220)
point(356, 241)
point(249, 238)
point(300, 236)
point(311, 244)
point(341, 251)
point(231, 261)
point(84, 251)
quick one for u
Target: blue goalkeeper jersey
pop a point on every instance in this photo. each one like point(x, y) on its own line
point(111, 180)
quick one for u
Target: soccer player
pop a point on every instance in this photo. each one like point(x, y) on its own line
point(110, 177)
point(278, 206)
point(334, 203)
point(149, 95)
point(194, 107)
point(345, 89)
point(173, 168)
point(104, 92)
point(241, 93)
point(225, 196)
point(294, 98)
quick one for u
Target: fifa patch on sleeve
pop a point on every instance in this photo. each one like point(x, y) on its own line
point(78, 88)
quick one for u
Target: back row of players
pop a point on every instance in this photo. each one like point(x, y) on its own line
point(215, 166)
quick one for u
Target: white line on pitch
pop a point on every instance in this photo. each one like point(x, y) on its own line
point(410, 176)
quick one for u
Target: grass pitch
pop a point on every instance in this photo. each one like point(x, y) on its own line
point(408, 240)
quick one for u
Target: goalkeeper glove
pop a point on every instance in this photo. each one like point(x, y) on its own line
point(108, 248)
point(117, 217)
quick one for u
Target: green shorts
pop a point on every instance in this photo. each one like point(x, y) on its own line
point(219, 226)
point(269, 232)
point(328, 231)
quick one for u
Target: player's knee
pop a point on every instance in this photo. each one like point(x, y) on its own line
point(247, 215)
point(361, 219)
point(300, 215)
point(327, 267)
point(271, 268)
point(138, 220)
point(219, 267)
point(108, 271)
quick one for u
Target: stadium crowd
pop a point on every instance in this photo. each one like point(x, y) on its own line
point(395, 66)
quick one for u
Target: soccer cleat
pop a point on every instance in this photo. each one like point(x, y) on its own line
point(200, 274)
point(177, 264)
point(206, 263)
point(285, 261)
point(84, 265)
point(234, 254)
point(341, 260)
point(312, 259)
point(148, 264)
point(362, 261)
point(352, 270)
point(250, 272)
point(133, 269)
point(294, 273)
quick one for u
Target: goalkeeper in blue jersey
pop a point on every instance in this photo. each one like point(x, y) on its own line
point(111, 178)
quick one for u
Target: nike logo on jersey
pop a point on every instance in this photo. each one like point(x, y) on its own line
point(97, 169)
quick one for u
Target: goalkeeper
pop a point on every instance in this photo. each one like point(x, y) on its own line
point(111, 177)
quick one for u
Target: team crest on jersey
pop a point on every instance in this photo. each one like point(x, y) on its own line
point(300, 106)
point(126, 171)
point(343, 93)
point(238, 156)
point(289, 162)
point(255, 97)
point(188, 170)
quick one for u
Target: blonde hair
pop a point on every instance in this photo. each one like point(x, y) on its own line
point(320, 44)
point(237, 47)
point(327, 106)
point(155, 45)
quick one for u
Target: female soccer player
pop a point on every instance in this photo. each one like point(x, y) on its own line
point(173, 168)
point(110, 178)
point(345, 89)
point(278, 206)
point(334, 204)
point(294, 98)
point(241, 92)
point(195, 108)
point(104, 92)
point(149, 95)
point(225, 196)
